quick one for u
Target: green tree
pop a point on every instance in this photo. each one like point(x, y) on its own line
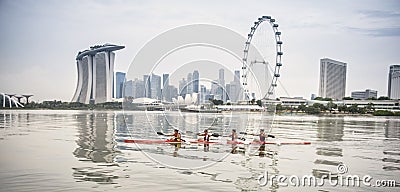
point(313, 110)
point(342, 108)
point(382, 113)
point(348, 98)
point(259, 103)
point(217, 102)
point(331, 106)
point(370, 108)
point(279, 107)
point(353, 109)
point(302, 107)
point(320, 106)
point(323, 99)
point(383, 98)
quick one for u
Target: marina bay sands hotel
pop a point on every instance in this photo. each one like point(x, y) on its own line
point(95, 74)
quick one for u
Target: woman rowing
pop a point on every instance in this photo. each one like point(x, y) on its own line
point(176, 135)
point(206, 139)
point(262, 136)
point(234, 136)
point(177, 138)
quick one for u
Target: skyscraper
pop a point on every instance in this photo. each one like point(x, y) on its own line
point(155, 86)
point(393, 82)
point(119, 84)
point(95, 74)
point(221, 89)
point(147, 86)
point(189, 83)
point(166, 92)
point(332, 82)
point(135, 88)
point(221, 76)
point(195, 84)
point(182, 87)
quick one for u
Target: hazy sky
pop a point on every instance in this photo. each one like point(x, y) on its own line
point(40, 39)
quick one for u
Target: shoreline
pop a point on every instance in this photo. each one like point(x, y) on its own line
point(280, 113)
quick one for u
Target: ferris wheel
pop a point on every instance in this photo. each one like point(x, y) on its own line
point(248, 63)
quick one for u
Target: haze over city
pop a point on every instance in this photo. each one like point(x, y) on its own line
point(40, 40)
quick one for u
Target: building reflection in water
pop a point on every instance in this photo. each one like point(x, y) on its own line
point(391, 153)
point(96, 144)
point(329, 156)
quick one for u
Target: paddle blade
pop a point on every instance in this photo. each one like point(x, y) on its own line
point(159, 133)
point(215, 135)
point(272, 136)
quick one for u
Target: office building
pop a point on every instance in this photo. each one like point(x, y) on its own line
point(196, 82)
point(393, 82)
point(332, 82)
point(119, 84)
point(155, 87)
point(165, 92)
point(221, 92)
point(364, 94)
point(147, 86)
point(95, 74)
point(183, 87)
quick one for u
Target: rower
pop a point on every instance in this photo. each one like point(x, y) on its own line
point(176, 135)
point(206, 139)
point(205, 134)
point(262, 135)
point(233, 135)
point(262, 140)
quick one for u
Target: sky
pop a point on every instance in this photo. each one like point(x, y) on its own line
point(40, 39)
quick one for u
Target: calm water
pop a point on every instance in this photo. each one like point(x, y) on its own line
point(84, 151)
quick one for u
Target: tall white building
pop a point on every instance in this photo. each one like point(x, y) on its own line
point(394, 82)
point(95, 74)
point(332, 81)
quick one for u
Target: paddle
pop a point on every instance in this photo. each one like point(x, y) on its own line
point(272, 136)
point(161, 133)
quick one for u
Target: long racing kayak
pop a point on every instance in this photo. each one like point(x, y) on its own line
point(158, 141)
point(271, 143)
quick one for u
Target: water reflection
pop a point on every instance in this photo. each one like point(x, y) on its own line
point(330, 155)
point(391, 153)
point(392, 129)
point(96, 144)
point(96, 137)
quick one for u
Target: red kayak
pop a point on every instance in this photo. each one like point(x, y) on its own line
point(145, 141)
point(271, 143)
point(169, 141)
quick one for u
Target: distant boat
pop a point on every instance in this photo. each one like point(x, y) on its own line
point(199, 109)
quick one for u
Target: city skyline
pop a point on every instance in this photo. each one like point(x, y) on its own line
point(365, 35)
point(217, 89)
